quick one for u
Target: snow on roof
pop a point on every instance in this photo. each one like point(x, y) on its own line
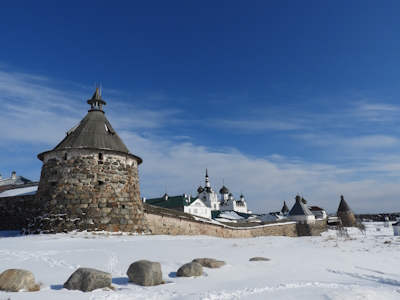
point(231, 215)
point(30, 190)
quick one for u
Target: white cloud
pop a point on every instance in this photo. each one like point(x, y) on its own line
point(35, 112)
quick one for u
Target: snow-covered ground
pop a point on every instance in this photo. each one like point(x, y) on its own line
point(326, 267)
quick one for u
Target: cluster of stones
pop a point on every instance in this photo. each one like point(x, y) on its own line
point(87, 190)
point(142, 272)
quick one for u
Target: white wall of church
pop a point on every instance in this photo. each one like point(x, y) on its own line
point(198, 208)
point(310, 219)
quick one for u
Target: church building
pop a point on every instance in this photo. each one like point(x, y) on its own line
point(226, 201)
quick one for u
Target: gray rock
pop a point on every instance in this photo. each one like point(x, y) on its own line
point(87, 280)
point(259, 259)
point(145, 273)
point(13, 280)
point(190, 269)
point(210, 262)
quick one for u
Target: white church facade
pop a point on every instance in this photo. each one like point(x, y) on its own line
point(226, 202)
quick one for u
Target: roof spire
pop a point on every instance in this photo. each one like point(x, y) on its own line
point(96, 103)
point(207, 184)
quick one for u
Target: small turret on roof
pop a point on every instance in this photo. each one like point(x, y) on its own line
point(96, 103)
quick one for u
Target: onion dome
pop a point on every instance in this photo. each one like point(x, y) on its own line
point(224, 190)
point(200, 189)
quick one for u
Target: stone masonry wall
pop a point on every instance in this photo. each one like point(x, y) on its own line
point(165, 221)
point(347, 217)
point(315, 229)
point(82, 189)
point(16, 211)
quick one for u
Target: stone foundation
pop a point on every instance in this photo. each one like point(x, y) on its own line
point(87, 190)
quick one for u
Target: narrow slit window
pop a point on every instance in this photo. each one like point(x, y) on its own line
point(101, 156)
point(66, 156)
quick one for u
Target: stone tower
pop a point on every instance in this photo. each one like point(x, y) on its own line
point(345, 214)
point(89, 181)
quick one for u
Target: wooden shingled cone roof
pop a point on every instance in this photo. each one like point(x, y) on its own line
point(343, 206)
point(93, 132)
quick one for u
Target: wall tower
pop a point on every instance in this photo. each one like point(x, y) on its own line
point(90, 180)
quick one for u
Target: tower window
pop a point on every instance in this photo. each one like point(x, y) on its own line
point(101, 156)
point(66, 156)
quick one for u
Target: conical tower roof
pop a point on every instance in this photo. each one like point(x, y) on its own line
point(343, 206)
point(93, 132)
point(299, 208)
point(284, 209)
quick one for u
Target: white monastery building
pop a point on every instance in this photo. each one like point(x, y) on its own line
point(226, 201)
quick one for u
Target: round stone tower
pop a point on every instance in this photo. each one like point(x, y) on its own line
point(345, 214)
point(89, 181)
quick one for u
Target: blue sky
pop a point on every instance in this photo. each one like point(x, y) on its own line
point(276, 97)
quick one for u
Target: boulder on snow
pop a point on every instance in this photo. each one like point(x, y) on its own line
point(210, 262)
point(87, 280)
point(259, 259)
point(145, 273)
point(190, 269)
point(13, 280)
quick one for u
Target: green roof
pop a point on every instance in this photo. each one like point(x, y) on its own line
point(173, 201)
point(215, 214)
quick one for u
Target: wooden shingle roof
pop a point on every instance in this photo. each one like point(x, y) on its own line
point(343, 206)
point(93, 132)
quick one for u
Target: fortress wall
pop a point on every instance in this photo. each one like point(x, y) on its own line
point(168, 222)
point(16, 211)
point(315, 229)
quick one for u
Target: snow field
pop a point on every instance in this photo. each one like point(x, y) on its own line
point(325, 267)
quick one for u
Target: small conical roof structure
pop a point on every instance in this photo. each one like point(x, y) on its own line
point(299, 208)
point(93, 132)
point(284, 209)
point(343, 206)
